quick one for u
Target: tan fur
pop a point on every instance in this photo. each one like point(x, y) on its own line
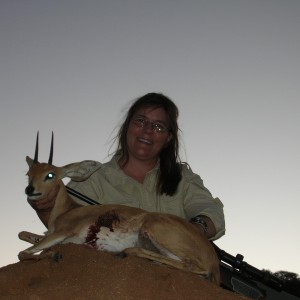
point(163, 238)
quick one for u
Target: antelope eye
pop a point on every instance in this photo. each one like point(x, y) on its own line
point(50, 176)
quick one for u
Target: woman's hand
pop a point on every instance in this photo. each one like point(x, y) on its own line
point(210, 230)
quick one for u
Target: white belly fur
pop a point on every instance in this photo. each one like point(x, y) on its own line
point(115, 241)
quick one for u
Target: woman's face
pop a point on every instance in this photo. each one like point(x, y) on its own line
point(148, 133)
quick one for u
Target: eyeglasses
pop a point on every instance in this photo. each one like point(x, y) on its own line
point(142, 122)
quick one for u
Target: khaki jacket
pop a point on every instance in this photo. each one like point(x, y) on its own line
point(110, 185)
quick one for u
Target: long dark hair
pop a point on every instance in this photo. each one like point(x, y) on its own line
point(169, 174)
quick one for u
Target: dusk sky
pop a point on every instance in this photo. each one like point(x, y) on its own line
point(231, 66)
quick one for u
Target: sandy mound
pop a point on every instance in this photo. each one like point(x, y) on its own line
point(84, 273)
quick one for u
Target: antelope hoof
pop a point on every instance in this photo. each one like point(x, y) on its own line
point(121, 255)
point(57, 257)
point(29, 256)
point(29, 237)
point(26, 256)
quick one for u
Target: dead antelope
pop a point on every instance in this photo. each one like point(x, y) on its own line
point(163, 238)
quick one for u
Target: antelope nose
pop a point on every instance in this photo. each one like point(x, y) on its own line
point(29, 190)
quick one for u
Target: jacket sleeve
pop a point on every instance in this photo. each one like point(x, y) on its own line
point(199, 201)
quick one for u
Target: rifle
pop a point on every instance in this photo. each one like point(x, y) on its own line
point(242, 278)
point(249, 271)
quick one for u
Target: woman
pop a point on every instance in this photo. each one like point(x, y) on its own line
point(146, 171)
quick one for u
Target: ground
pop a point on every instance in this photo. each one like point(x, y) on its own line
point(84, 273)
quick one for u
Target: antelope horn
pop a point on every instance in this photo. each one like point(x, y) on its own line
point(51, 151)
point(36, 153)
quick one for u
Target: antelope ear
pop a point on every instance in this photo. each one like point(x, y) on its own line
point(29, 161)
point(81, 170)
